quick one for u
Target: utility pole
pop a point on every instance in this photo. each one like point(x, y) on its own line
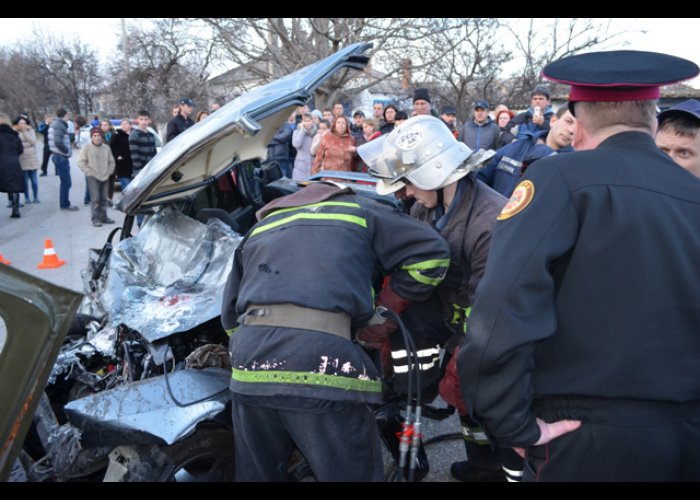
point(125, 47)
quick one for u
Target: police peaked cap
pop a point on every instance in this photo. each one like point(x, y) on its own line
point(619, 75)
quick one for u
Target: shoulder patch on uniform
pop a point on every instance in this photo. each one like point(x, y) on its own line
point(521, 197)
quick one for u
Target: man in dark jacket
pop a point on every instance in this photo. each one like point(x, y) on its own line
point(449, 198)
point(298, 378)
point(181, 121)
point(278, 148)
point(480, 131)
point(61, 151)
point(505, 169)
point(583, 350)
point(119, 144)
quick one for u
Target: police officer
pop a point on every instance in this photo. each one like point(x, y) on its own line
point(300, 283)
point(422, 157)
point(584, 345)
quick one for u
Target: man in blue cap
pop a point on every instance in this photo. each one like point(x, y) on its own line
point(480, 131)
point(181, 121)
point(583, 352)
point(678, 135)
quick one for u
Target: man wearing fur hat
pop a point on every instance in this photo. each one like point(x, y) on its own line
point(97, 162)
point(421, 102)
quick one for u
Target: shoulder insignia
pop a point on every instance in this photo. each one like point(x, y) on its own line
point(521, 197)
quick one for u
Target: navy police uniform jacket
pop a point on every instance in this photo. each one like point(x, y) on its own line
point(320, 252)
point(591, 288)
point(504, 171)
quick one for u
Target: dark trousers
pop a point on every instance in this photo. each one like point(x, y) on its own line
point(340, 441)
point(622, 442)
point(63, 168)
point(45, 161)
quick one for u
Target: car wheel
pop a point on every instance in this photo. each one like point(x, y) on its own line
point(205, 455)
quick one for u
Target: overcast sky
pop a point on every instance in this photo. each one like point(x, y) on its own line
point(677, 37)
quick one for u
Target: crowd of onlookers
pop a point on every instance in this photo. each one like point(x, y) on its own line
point(109, 151)
point(310, 141)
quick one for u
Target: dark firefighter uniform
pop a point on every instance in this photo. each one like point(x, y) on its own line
point(467, 228)
point(301, 281)
point(589, 309)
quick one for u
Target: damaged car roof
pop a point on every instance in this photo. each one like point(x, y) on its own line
point(238, 131)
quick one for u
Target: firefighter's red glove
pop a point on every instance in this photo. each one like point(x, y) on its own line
point(450, 389)
point(378, 329)
point(373, 336)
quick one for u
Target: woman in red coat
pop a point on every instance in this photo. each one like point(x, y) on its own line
point(337, 149)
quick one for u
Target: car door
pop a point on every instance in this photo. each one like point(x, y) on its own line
point(35, 317)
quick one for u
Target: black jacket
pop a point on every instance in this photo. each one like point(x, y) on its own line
point(176, 126)
point(322, 255)
point(591, 288)
point(119, 144)
point(11, 177)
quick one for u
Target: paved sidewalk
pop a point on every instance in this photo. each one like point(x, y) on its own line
point(72, 233)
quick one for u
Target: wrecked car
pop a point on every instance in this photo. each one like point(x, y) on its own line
point(139, 389)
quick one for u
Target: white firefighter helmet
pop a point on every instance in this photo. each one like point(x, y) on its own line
point(423, 151)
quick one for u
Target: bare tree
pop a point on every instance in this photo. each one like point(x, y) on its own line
point(23, 85)
point(69, 69)
point(541, 41)
point(469, 61)
point(165, 59)
point(266, 48)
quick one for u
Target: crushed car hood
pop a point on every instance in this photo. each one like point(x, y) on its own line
point(238, 131)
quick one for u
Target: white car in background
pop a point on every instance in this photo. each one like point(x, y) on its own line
point(84, 136)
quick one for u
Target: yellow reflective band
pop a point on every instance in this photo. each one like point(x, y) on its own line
point(230, 331)
point(306, 378)
point(467, 312)
point(314, 205)
point(474, 435)
point(353, 219)
point(414, 270)
point(456, 314)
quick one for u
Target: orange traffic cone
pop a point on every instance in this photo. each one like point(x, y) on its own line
point(51, 260)
point(4, 261)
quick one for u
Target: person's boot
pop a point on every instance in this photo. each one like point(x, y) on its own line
point(15, 206)
point(482, 462)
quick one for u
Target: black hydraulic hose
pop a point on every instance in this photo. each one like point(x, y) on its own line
point(178, 402)
point(413, 373)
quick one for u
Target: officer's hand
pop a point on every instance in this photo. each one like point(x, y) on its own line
point(373, 336)
point(551, 431)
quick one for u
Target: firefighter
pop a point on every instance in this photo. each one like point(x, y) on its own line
point(422, 158)
point(301, 282)
point(583, 346)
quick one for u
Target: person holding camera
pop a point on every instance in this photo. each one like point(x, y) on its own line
point(537, 116)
